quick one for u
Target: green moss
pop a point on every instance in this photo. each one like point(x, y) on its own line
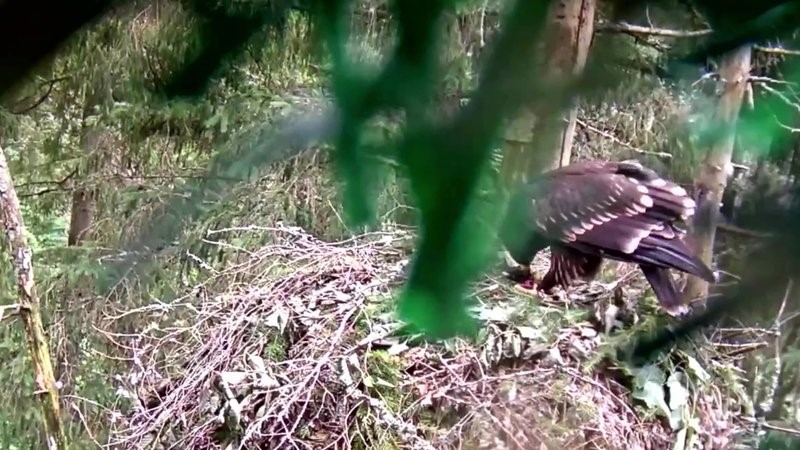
point(382, 381)
point(386, 373)
point(276, 348)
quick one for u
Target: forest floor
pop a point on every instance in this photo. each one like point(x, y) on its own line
point(294, 345)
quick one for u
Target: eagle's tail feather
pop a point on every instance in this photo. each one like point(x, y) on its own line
point(674, 253)
point(663, 288)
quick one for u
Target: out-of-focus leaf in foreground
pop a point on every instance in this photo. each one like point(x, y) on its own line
point(442, 161)
point(31, 30)
point(442, 164)
point(224, 28)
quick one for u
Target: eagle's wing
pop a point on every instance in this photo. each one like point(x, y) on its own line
point(618, 210)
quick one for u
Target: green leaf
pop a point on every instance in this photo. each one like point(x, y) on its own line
point(649, 383)
point(678, 400)
point(697, 370)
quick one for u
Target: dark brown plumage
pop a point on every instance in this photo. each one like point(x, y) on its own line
point(592, 210)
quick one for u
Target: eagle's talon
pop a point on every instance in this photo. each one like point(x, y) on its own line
point(519, 274)
point(679, 312)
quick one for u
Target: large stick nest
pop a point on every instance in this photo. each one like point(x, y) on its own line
point(290, 347)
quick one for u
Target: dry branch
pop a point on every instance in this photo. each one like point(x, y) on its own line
point(733, 229)
point(769, 398)
point(616, 140)
point(29, 309)
point(776, 50)
point(624, 27)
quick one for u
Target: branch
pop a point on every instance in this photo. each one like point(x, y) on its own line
point(768, 403)
point(759, 79)
point(768, 426)
point(60, 185)
point(627, 28)
point(9, 310)
point(791, 431)
point(45, 192)
point(616, 140)
point(787, 127)
point(781, 96)
point(776, 50)
point(51, 84)
point(733, 229)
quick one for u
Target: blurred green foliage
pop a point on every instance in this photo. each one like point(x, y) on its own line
point(444, 161)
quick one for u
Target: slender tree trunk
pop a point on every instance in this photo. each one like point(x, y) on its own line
point(794, 165)
point(713, 177)
point(565, 50)
point(80, 223)
point(29, 309)
point(83, 197)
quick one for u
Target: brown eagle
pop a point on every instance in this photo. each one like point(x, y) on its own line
point(592, 210)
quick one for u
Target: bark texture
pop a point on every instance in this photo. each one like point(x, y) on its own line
point(91, 143)
point(712, 179)
point(564, 52)
point(29, 309)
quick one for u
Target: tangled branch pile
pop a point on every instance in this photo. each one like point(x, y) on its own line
point(292, 347)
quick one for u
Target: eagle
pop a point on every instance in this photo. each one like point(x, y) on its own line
point(591, 210)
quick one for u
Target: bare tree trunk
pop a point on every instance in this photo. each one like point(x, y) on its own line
point(794, 165)
point(713, 177)
point(83, 197)
point(80, 223)
point(565, 51)
point(29, 309)
point(82, 210)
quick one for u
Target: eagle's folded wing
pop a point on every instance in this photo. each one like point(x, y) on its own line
point(618, 210)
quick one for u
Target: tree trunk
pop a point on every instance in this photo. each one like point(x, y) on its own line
point(80, 223)
point(794, 165)
point(29, 309)
point(713, 177)
point(82, 210)
point(565, 50)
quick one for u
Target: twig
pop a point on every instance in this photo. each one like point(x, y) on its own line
point(9, 310)
point(769, 426)
point(85, 424)
point(767, 404)
point(624, 27)
point(733, 229)
point(616, 140)
point(34, 105)
point(760, 79)
point(792, 431)
point(776, 50)
point(739, 349)
point(781, 96)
